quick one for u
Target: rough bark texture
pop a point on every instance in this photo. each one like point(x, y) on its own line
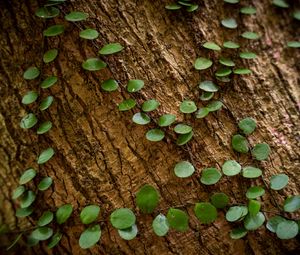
point(103, 158)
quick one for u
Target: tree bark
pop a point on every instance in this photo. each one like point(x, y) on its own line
point(103, 158)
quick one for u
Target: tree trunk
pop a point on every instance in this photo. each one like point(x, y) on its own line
point(103, 158)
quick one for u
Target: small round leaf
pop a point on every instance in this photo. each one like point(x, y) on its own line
point(210, 176)
point(236, 212)
point(141, 118)
point(147, 198)
point(279, 181)
point(122, 218)
point(219, 200)
point(44, 127)
point(76, 16)
point(19, 191)
point(111, 48)
point(54, 240)
point(211, 46)
point(50, 55)
point(166, 120)
point(93, 64)
point(31, 73)
point(229, 23)
point(251, 172)
point(27, 199)
point(45, 183)
point(45, 219)
point(250, 35)
point(202, 63)
point(127, 104)
point(135, 85)
point(90, 237)
point(231, 168)
point(248, 10)
point(238, 233)
point(128, 233)
point(54, 30)
point(247, 125)
point(184, 138)
point(240, 144)
point(292, 204)
point(255, 192)
point(261, 151)
point(214, 106)
point(89, 34)
point(63, 213)
point(30, 97)
point(27, 176)
point(182, 129)
point(89, 214)
point(205, 212)
point(155, 135)
point(42, 233)
point(178, 219)
point(160, 225)
point(28, 121)
point(208, 86)
point(150, 105)
point(188, 106)
point(231, 45)
point(46, 103)
point(109, 85)
point(47, 12)
point(45, 155)
point(254, 222)
point(287, 229)
point(184, 169)
point(48, 82)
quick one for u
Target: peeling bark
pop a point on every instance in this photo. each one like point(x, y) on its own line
point(103, 158)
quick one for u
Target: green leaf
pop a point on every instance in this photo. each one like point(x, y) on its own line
point(184, 138)
point(18, 192)
point(242, 71)
point(111, 48)
point(63, 213)
point(45, 155)
point(147, 198)
point(109, 85)
point(231, 1)
point(248, 55)
point(46, 103)
point(28, 121)
point(293, 44)
point(261, 151)
point(89, 34)
point(202, 63)
point(240, 144)
point(214, 106)
point(44, 127)
point(50, 55)
point(292, 204)
point(47, 12)
point(16, 240)
point(30, 242)
point(42, 233)
point(287, 229)
point(54, 240)
point(192, 8)
point(31, 73)
point(254, 222)
point(184, 2)
point(45, 219)
point(238, 233)
point(173, 7)
point(45, 183)
point(184, 169)
point(229, 23)
point(90, 237)
point(30, 97)
point(205, 96)
point(188, 106)
point(166, 120)
point(27, 199)
point(231, 45)
point(273, 223)
point(251, 172)
point(208, 86)
point(182, 129)
point(150, 105)
point(127, 104)
point(54, 30)
point(93, 64)
point(255, 192)
point(160, 225)
point(231, 168)
point(27, 176)
point(248, 10)
point(296, 15)
point(223, 72)
point(235, 213)
point(205, 212)
point(247, 125)
point(24, 212)
point(223, 79)
point(281, 3)
point(210, 176)
point(253, 207)
point(89, 214)
point(250, 35)
point(178, 219)
point(226, 61)
point(128, 233)
point(155, 135)
point(48, 82)
point(76, 16)
point(122, 218)
point(135, 85)
point(279, 181)
point(211, 46)
point(141, 118)
point(219, 200)
point(202, 112)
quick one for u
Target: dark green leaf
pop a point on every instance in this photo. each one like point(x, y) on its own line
point(47, 12)
point(18, 192)
point(155, 135)
point(184, 169)
point(45, 155)
point(210, 176)
point(238, 233)
point(205, 96)
point(46, 103)
point(76, 16)
point(45, 183)
point(240, 144)
point(147, 198)
point(54, 30)
point(253, 207)
point(127, 104)
point(31, 73)
point(48, 82)
point(63, 213)
point(247, 125)
point(27, 176)
point(54, 240)
point(27, 199)
point(279, 181)
point(50, 55)
point(160, 225)
point(219, 200)
point(255, 192)
point(205, 212)
point(109, 85)
point(45, 219)
point(93, 64)
point(184, 138)
point(178, 219)
point(30, 97)
point(166, 120)
point(89, 214)
point(122, 218)
point(44, 127)
point(223, 72)
point(111, 48)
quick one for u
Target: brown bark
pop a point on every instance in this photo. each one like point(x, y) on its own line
point(103, 158)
